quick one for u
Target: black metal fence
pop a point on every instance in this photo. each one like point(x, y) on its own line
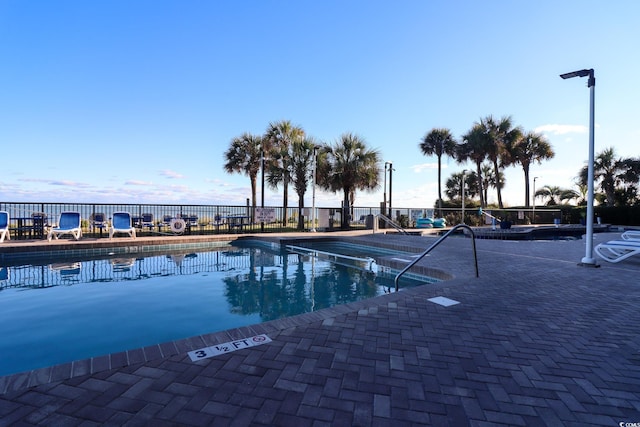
point(218, 219)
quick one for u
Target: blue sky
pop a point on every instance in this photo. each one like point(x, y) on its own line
point(136, 101)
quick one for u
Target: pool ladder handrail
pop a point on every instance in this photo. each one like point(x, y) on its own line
point(430, 248)
point(391, 223)
point(371, 262)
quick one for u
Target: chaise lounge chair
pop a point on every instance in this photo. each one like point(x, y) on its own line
point(121, 223)
point(191, 220)
point(631, 235)
point(4, 226)
point(98, 220)
point(618, 250)
point(69, 223)
point(146, 220)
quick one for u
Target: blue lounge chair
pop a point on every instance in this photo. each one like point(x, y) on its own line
point(121, 223)
point(147, 221)
point(4, 226)
point(191, 220)
point(69, 223)
point(98, 220)
point(166, 221)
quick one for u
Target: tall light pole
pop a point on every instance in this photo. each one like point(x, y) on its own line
point(387, 167)
point(262, 191)
point(588, 260)
point(390, 186)
point(462, 185)
point(313, 189)
point(534, 199)
point(384, 195)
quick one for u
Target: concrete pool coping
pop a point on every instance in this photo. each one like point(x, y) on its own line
point(535, 338)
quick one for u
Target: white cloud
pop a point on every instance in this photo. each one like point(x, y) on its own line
point(171, 174)
point(426, 166)
point(66, 183)
point(556, 129)
point(34, 180)
point(138, 182)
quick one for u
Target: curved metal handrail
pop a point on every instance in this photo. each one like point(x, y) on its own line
point(430, 248)
point(392, 223)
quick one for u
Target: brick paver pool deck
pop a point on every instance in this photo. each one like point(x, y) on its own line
point(535, 340)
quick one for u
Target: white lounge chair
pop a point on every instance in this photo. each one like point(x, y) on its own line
point(69, 223)
point(4, 226)
point(121, 223)
point(631, 235)
point(618, 250)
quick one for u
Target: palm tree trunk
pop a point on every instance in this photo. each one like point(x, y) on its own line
point(498, 184)
point(253, 198)
point(285, 199)
point(345, 211)
point(483, 194)
point(300, 216)
point(526, 187)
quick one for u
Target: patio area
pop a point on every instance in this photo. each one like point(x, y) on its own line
point(535, 340)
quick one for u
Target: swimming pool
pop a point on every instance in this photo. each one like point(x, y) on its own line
point(63, 311)
point(352, 249)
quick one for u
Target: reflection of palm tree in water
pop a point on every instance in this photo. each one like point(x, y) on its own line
point(270, 293)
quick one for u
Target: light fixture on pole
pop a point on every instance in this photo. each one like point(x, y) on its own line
point(588, 260)
point(462, 185)
point(533, 221)
point(313, 189)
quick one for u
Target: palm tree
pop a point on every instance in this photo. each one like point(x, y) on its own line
point(348, 166)
point(551, 192)
point(453, 188)
point(614, 174)
point(489, 178)
point(501, 135)
point(532, 147)
point(301, 171)
point(568, 195)
point(279, 138)
point(244, 156)
point(439, 142)
point(582, 193)
point(474, 148)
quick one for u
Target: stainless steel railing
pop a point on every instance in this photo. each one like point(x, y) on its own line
point(390, 222)
point(440, 240)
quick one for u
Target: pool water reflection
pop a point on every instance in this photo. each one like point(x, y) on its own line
point(66, 311)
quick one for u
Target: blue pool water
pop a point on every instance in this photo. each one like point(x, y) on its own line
point(64, 311)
